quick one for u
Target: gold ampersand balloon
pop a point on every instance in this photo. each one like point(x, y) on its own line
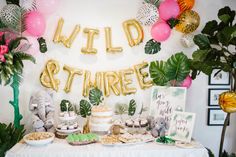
point(125, 81)
point(90, 38)
point(63, 39)
point(127, 25)
point(111, 82)
point(189, 21)
point(87, 84)
point(141, 75)
point(109, 47)
point(47, 76)
point(71, 74)
point(227, 101)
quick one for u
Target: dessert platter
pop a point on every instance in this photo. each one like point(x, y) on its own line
point(126, 139)
point(39, 138)
point(82, 139)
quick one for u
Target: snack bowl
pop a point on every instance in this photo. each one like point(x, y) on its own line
point(39, 138)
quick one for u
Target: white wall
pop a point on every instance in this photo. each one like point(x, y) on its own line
point(98, 14)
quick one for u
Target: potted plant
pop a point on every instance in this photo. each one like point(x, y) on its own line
point(216, 50)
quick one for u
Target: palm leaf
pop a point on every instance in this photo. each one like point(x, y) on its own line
point(152, 47)
point(177, 67)
point(157, 71)
point(95, 96)
point(23, 56)
point(85, 108)
point(132, 107)
point(15, 43)
point(28, 5)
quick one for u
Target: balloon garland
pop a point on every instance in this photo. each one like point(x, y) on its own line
point(172, 14)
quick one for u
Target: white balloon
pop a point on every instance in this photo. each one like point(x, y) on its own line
point(187, 40)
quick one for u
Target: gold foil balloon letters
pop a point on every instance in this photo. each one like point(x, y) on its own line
point(63, 39)
point(47, 76)
point(87, 84)
point(90, 38)
point(127, 25)
point(125, 82)
point(111, 82)
point(109, 47)
point(141, 75)
point(71, 74)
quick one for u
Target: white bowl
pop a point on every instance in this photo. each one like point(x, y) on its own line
point(39, 142)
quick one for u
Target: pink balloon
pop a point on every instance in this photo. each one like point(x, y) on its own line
point(47, 6)
point(169, 9)
point(34, 46)
point(187, 82)
point(160, 31)
point(35, 23)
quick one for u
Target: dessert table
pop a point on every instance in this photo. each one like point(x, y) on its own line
point(60, 148)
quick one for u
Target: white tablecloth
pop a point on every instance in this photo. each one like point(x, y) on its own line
point(60, 148)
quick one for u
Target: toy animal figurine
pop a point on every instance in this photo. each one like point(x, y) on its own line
point(42, 106)
point(158, 126)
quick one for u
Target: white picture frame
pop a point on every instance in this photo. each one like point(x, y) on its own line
point(165, 100)
point(219, 78)
point(181, 126)
point(216, 117)
point(213, 95)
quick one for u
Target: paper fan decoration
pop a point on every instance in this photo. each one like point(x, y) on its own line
point(148, 14)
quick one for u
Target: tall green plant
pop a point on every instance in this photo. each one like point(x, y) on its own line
point(11, 69)
point(217, 50)
point(9, 136)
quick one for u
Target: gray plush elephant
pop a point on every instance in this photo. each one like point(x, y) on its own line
point(42, 106)
point(158, 126)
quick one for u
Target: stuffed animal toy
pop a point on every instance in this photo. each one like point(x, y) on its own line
point(42, 107)
point(158, 126)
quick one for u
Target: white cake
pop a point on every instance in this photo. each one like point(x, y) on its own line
point(101, 118)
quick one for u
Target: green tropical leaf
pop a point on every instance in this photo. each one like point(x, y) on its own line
point(23, 56)
point(64, 104)
point(42, 45)
point(210, 27)
point(15, 43)
point(202, 41)
point(154, 2)
point(226, 35)
point(177, 67)
point(157, 72)
point(2, 25)
point(226, 15)
point(95, 96)
point(85, 108)
point(200, 55)
point(152, 47)
point(172, 22)
point(9, 136)
point(132, 107)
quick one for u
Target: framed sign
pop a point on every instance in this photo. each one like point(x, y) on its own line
point(166, 100)
point(213, 95)
point(219, 78)
point(216, 117)
point(181, 126)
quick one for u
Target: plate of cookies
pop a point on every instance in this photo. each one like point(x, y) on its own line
point(39, 138)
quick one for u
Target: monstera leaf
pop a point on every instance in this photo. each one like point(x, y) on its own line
point(177, 67)
point(152, 47)
point(158, 72)
point(132, 107)
point(95, 96)
point(85, 108)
